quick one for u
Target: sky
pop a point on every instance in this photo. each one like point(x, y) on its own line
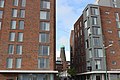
point(67, 13)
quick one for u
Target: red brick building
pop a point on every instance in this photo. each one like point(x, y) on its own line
point(94, 32)
point(27, 39)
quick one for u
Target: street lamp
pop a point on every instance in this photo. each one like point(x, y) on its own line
point(106, 76)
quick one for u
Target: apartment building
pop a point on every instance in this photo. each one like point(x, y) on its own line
point(27, 39)
point(101, 36)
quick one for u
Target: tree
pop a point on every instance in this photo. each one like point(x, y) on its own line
point(71, 72)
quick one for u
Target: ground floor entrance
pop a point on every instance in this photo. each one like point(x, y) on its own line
point(101, 76)
point(27, 76)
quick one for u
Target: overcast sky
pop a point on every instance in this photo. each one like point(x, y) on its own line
point(68, 11)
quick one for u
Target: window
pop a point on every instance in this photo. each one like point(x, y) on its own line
point(118, 24)
point(109, 31)
point(43, 63)
point(90, 53)
point(96, 31)
point(112, 52)
point(86, 24)
point(89, 32)
point(98, 64)
point(15, 2)
point(44, 50)
point(114, 0)
point(94, 21)
point(114, 63)
point(9, 62)
point(44, 37)
point(45, 4)
point(21, 24)
point(96, 41)
point(117, 16)
point(18, 62)
point(95, 11)
point(45, 26)
point(13, 24)
point(87, 12)
point(20, 37)
point(115, 5)
point(1, 14)
point(0, 25)
point(119, 34)
point(1, 3)
point(44, 15)
point(14, 12)
point(22, 13)
point(12, 36)
point(111, 42)
point(23, 3)
point(98, 52)
point(87, 44)
point(98, 77)
point(10, 49)
point(19, 49)
point(107, 12)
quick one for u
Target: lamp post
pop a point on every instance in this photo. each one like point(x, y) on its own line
point(106, 76)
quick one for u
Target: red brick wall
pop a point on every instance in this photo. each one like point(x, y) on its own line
point(31, 35)
point(110, 36)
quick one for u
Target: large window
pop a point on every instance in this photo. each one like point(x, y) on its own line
point(94, 11)
point(87, 12)
point(22, 13)
point(1, 14)
point(1, 3)
point(98, 52)
point(18, 62)
point(44, 50)
point(86, 24)
point(98, 64)
point(10, 49)
point(20, 37)
point(89, 31)
point(44, 15)
point(12, 36)
point(19, 49)
point(23, 3)
point(44, 37)
point(15, 2)
point(9, 63)
point(43, 63)
point(87, 43)
point(96, 41)
point(90, 53)
point(96, 30)
point(13, 24)
point(45, 4)
point(94, 21)
point(21, 24)
point(45, 26)
point(14, 12)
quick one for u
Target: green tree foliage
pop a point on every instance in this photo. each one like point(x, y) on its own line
point(71, 72)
